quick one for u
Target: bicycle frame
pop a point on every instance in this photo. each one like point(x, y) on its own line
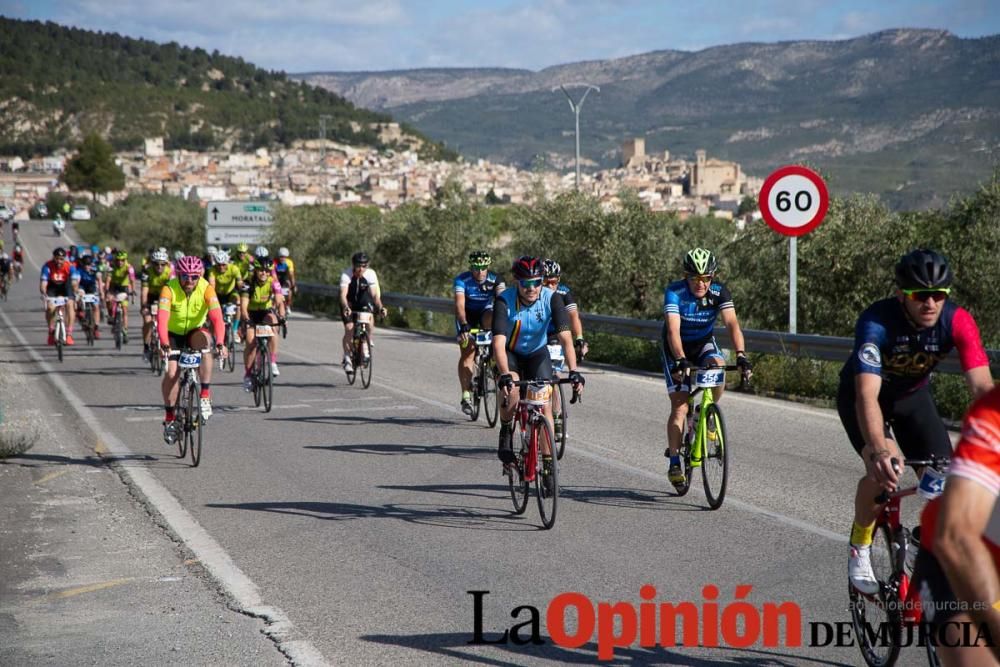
point(706, 377)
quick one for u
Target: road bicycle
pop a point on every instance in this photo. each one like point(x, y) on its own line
point(361, 348)
point(229, 312)
point(894, 550)
point(89, 301)
point(59, 323)
point(560, 406)
point(187, 409)
point(263, 381)
point(532, 437)
point(118, 305)
point(484, 378)
point(155, 359)
point(704, 444)
point(3, 287)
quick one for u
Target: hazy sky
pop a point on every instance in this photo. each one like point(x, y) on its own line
point(309, 35)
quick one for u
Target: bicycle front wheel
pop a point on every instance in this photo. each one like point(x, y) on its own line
point(546, 479)
point(352, 374)
point(367, 365)
point(491, 397)
point(879, 610)
point(60, 339)
point(119, 334)
point(267, 382)
point(477, 394)
point(715, 457)
point(193, 426)
point(181, 417)
point(258, 380)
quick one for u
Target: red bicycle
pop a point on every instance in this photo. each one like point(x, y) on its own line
point(879, 619)
point(534, 435)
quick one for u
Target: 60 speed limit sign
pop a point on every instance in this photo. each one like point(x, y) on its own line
point(794, 200)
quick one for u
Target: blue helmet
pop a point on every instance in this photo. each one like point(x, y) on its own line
point(95, 248)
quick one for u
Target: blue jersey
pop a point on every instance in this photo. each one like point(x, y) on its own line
point(568, 299)
point(526, 326)
point(88, 279)
point(697, 315)
point(887, 344)
point(478, 296)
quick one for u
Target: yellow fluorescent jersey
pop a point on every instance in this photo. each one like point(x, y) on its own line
point(187, 312)
point(225, 281)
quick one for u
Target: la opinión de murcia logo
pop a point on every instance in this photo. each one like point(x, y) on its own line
point(572, 620)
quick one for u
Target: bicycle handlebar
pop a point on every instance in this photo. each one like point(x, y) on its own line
point(934, 462)
point(577, 397)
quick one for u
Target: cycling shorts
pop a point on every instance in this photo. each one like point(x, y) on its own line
point(88, 288)
point(534, 366)
point(59, 289)
point(474, 319)
point(183, 341)
point(698, 352)
point(262, 317)
point(367, 307)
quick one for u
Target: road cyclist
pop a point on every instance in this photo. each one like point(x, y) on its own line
point(261, 303)
point(552, 279)
point(690, 308)
point(475, 290)
point(359, 290)
point(187, 303)
point(120, 279)
point(92, 285)
point(17, 256)
point(884, 398)
point(155, 276)
point(59, 279)
point(521, 317)
point(284, 269)
point(227, 279)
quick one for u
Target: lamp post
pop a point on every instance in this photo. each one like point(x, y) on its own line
point(576, 106)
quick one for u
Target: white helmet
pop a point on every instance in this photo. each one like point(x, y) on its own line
point(283, 252)
point(159, 256)
point(212, 250)
point(221, 257)
point(178, 254)
point(162, 249)
point(261, 252)
point(107, 250)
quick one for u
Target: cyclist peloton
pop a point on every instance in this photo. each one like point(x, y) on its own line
point(261, 297)
point(521, 317)
point(553, 280)
point(284, 268)
point(898, 341)
point(690, 308)
point(958, 565)
point(359, 290)
point(155, 276)
point(475, 291)
point(186, 302)
point(91, 282)
point(120, 278)
point(227, 280)
point(59, 278)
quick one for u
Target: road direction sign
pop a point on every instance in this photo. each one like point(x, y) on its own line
point(229, 222)
point(794, 200)
point(234, 235)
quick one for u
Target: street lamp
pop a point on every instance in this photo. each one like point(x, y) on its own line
point(576, 106)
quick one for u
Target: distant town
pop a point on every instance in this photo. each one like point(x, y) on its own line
point(324, 172)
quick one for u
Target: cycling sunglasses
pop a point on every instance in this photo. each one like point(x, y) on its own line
point(700, 279)
point(479, 267)
point(924, 294)
point(188, 277)
point(530, 283)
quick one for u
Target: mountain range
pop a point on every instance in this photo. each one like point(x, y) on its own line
point(910, 114)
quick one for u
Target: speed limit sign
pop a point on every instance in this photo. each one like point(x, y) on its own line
point(794, 200)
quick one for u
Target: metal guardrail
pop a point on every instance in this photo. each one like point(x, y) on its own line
point(826, 348)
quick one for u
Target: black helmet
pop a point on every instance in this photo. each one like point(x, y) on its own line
point(480, 259)
point(525, 268)
point(86, 260)
point(552, 268)
point(359, 258)
point(58, 252)
point(700, 262)
point(923, 269)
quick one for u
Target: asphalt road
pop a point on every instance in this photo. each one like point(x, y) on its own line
point(366, 516)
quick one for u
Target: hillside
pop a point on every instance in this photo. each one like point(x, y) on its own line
point(910, 114)
point(59, 83)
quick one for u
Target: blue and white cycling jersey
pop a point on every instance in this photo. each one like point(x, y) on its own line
point(88, 280)
point(526, 326)
point(478, 296)
point(697, 315)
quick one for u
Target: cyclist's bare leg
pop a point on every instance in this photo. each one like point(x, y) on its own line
point(677, 422)
point(954, 653)
point(202, 341)
point(50, 313)
point(546, 449)
point(169, 386)
point(147, 325)
point(70, 314)
point(717, 391)
point(348, 335)
point(509, 406)
point(272, 344)
point(466, 364)
point(249, 349)
point(865, 508)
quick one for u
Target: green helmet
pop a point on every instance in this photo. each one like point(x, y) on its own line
point(242, 247)
point(480, 259)
point(700, 262)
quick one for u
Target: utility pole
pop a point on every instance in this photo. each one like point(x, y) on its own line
point(322, 136)
point(576, 106)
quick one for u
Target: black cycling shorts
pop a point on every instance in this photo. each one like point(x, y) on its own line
point(367, 306)
point(698, 352)
point(183, 341)
point(58, 289)
point(913, 418)
point(534, 366)
point(261, 317)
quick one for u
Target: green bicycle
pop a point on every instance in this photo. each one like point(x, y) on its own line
point(704, 443)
